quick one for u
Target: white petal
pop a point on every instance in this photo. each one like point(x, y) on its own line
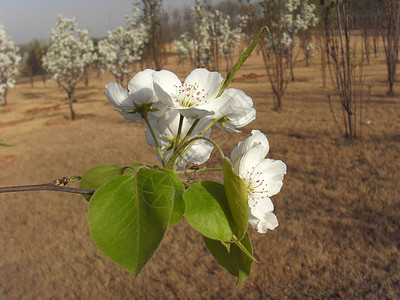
point(141, 87)
point(241, 121)
point(166, 86)
point(253, 221)
point(149, 138)
point(250, 159)
point(260, 205)
point(168, 124)
point(209, 81)
point(215, 106)
point(129, 116)
point(238, 103)
point(118, 96)
point(256, 138)
point(268, 222)
point(272, 172)
point(201, 125)
point(160, 109)
point(193, 112)
point(238, 109)
point(200, 152)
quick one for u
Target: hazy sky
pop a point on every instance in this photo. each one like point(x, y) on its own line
point(25, 20)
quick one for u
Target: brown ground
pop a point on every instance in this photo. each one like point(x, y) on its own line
point(338, 210)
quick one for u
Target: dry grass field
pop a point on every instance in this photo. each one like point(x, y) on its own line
point(339, 208)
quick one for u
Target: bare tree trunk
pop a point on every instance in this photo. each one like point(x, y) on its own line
point(365, 36)
point(86, 77)
point(291, 63)
point(389, 14)
point(44, 78)
point(31, 76)
point(344, 71)
point(375, 41)
point(71, 101)
point(5, 96)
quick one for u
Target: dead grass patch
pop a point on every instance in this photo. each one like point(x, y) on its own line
point(339, 208)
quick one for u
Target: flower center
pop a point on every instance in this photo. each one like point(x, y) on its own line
point(255, 185)
point(190, 95)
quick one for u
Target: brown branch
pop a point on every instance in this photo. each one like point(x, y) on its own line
point(45, 187)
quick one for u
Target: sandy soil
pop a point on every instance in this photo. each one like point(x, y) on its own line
point(338, 210)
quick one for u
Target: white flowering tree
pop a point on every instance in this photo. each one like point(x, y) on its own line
point(69, 54)
point(204, 33)
point(229, 38)
point(185, 47)
point(297, 17)
point(211, 34)
point(9, 64)
point(132, 207)
point(123, 47)
point(284, 19)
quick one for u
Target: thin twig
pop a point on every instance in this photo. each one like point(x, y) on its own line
point(45, 187)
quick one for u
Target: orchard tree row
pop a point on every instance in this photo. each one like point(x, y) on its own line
point(205, 34)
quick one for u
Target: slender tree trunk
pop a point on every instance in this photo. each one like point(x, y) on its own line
point(31, 76)
point(291, 63)
point(375, 41)
point(5, 96)
point(71, 101)
point(44, 78)
point(86, 77)
point(279, 102)
point(307, 57)
point(352, 123)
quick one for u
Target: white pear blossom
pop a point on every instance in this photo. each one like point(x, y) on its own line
point(9, 63)
point(263, 178)
point(166, 131)
point(196, 97)
point(140, 92)
point(238, 111)
point(123, 47)
point(69, 54)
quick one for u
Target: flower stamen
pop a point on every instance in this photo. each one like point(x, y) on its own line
point(190, 95)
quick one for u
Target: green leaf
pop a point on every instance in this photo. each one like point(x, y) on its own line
point(97, 176)
point(131, 168)
point(235, 261)
point(179, 203)
point(240, 62)
point(207, 210)
point(236, 193)
point(129, 216)
point(2, 143)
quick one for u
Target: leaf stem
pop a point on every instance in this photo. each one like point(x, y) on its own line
point(178, 136)
point(190, 143)
point(145, 117)
point(244, 249)
point(199, 170)
point(240, 61)
point(209, 126)
point(176, 152)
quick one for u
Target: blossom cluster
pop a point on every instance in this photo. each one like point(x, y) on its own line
point(180, 117)
point(69, 53)
point(289, 17)
point(9, 62)
point(209, 29)
point(122, 47)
